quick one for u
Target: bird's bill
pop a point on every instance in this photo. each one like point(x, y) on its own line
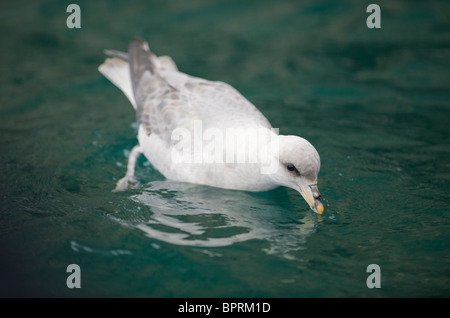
point(312, 196)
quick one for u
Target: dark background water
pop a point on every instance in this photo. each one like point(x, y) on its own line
point(374, 102)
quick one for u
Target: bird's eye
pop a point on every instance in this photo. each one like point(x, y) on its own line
point(291, 167)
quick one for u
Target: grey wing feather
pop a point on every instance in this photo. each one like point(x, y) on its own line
point(166, 99)
point(146, 81)
point(142, 71)
point(119, 54)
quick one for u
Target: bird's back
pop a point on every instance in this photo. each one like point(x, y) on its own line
point(166, 100)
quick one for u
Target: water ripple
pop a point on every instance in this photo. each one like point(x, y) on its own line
point(193, 215)
point(78, 247)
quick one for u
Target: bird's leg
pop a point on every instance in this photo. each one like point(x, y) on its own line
point(129, 176)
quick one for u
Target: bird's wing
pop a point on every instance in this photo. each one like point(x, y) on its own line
point(221, 106)
point(166, 99)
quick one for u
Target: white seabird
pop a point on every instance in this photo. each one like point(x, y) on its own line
point(205, 132)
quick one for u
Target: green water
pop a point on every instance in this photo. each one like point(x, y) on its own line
point(374, 102)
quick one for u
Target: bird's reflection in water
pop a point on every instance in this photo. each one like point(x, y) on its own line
point(194, 215)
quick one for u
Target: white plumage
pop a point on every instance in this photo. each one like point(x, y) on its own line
point(200, 131)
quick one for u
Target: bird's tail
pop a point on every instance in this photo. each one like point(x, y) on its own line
point(125, 70)
point(116, 69)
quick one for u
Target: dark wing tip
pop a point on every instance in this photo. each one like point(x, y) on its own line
point(137, 43)
point(119, 54)
point(136, 38)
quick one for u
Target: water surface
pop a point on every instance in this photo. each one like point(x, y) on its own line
point(375, 104)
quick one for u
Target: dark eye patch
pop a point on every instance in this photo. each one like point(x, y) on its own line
point(292, 168)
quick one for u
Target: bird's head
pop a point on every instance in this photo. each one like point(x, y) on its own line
point(298, 166)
